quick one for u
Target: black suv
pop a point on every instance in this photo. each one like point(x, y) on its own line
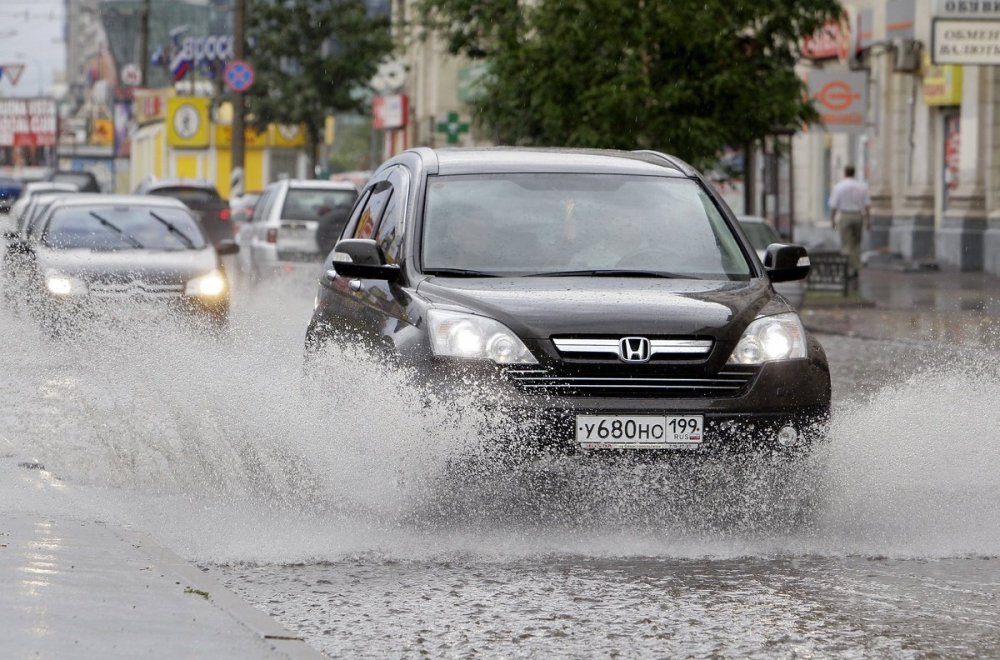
point(612, 295)
point(202, 198)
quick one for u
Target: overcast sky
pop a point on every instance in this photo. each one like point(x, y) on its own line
point(31, 33)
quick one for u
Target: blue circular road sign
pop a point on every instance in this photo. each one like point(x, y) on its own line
point(238, 75)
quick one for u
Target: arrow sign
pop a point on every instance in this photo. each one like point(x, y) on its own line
point(11, 72)
point(238, 75)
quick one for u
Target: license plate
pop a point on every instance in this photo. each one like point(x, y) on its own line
point(639, 432)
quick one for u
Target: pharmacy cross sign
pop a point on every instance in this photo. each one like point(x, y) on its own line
point(452, 127)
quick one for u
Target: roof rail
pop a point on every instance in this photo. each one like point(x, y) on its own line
point(672, 160)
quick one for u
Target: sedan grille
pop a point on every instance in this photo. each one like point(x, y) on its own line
point(135, 289)
point(732, 381)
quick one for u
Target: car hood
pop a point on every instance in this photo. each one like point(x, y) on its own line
point(160, 266)
point(540, 307)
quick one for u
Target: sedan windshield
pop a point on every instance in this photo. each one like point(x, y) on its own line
point(577, 224)
point(123, 228)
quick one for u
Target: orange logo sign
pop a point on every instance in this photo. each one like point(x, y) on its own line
point(837, 95)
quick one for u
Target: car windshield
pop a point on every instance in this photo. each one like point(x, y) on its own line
point(123, 228)
point(314, 203)
point(561, 223)
point(188, 195)
point(760, 234)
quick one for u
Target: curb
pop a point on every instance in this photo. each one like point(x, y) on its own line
point(260, 623)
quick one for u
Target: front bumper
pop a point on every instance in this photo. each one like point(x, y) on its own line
point(64, 313)
point(795, 393)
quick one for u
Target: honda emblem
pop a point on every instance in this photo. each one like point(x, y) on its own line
point(634, 349)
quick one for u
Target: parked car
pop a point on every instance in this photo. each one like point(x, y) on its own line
point(295, 224)
point(761, 236)
point(607, 298)
point(89, 250)
point(31, 190)
point(83, 181)
point(10, 190)
point(202, 198)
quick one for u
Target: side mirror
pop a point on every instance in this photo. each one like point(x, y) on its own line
point(784, 263)
point(227, 247)
point(362, 258)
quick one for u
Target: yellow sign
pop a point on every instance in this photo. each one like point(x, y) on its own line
point(285, 136)
point(942, 83)
point(187, 122)
point(149, 105)
point(253, 139)
point(102, 132)
point(329, 130)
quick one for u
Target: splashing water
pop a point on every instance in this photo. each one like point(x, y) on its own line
point(225, 447)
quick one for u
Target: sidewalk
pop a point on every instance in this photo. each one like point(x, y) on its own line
point(937, 306)
point(80, 588)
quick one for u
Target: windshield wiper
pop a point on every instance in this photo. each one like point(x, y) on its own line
point(459, 272)
point(610, 272)
point(115, 228)
point(171, 227)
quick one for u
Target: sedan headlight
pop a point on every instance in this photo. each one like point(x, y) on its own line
point(64, 285)
point(454, 334)
point(209, 285)
point(769, 338)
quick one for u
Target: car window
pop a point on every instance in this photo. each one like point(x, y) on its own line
point(389, 234)
point(522, 224)
point(373, 209)
point(760, 234)
point(188, 195)
point(261, 208)
point(123, 228)
point(315, 203)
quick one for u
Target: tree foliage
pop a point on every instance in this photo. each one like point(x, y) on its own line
point(310, 58)
point(686, 76)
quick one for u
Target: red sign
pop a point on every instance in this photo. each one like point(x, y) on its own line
point(830, 41)
point(390, 111)
point(27, 122)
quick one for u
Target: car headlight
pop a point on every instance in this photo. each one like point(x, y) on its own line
point(769, 338)
point(64, 285)
point(454, 334)
point(208, 285)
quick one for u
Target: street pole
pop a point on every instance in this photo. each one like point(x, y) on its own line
point(144, 43)
point(239, 146)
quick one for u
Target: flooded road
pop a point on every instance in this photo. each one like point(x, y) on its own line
point(402, 537)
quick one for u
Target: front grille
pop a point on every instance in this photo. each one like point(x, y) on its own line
point(732, 381)
point(135, 289)
point(608, 348)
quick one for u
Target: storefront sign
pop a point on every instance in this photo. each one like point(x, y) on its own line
point(27, 122)
point(149, 105)
point(252, 138)
point(966, 41)
point(841, 99)
point(942, 83)
point(966, 9)
point(827, 42)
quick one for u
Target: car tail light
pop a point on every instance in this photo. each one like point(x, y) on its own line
point(272, 235)
point(224, 214)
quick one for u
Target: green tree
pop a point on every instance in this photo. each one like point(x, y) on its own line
point(310, 58)
point(686, 76)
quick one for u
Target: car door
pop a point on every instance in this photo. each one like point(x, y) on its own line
point(258, 229)
point(350, 311)
point(387, 303)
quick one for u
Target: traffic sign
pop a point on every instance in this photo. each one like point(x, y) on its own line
point(238, 75)
point(11, 72)
point(131, 75)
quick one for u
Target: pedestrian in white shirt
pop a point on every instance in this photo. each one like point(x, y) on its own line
point(849, 206)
